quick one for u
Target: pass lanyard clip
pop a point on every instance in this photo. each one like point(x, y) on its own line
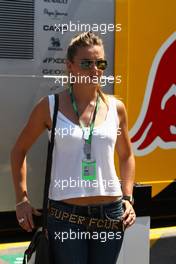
point(87, 131)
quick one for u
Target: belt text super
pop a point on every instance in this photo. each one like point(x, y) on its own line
point(89, 221)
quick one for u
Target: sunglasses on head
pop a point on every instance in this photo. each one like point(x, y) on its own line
point(87, 64)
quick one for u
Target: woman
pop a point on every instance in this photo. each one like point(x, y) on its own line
point(86, 210)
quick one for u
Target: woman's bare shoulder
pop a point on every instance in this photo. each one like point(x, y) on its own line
point(119, 103)
point(41, 110)
point(120, 106)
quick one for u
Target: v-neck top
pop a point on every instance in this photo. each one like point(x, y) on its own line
point(66, 174)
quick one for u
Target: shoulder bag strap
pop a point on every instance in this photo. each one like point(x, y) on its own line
point(49, 164)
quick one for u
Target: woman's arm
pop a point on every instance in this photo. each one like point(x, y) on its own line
point(38, 121)
point(126, 161)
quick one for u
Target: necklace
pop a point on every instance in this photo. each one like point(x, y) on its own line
point(91, 113)
point(87, 131)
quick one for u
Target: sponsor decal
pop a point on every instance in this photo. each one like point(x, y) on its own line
point(55, 28)
point(57, 1)
point(156, 124)
point(55, 14)
point(53, 71)
point(54, 60)
point(55, 44)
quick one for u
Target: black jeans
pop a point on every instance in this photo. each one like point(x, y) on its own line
point(73, 243)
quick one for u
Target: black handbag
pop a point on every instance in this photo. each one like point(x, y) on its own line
point(38, 251)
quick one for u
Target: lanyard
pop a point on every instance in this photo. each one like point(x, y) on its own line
point(86, 130)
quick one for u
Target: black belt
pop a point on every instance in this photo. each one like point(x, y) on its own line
point(109, 224)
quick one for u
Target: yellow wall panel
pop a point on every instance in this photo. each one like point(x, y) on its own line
point(144, 56)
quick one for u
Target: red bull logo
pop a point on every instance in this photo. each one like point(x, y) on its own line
point(156, 124)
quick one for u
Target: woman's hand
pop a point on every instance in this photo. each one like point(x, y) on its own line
point(129, 215)
point(24, 213)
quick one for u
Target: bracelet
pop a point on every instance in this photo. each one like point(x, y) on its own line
point(128, 198)
point(26, 200)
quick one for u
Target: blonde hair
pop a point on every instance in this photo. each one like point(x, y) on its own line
point(85, 39)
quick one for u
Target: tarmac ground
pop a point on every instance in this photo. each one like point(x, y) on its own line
point(162, 248)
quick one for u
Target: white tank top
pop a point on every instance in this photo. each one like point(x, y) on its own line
point(66, 173)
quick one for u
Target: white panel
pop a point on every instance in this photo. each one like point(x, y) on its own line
point(136, 244)
point(21, 84)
